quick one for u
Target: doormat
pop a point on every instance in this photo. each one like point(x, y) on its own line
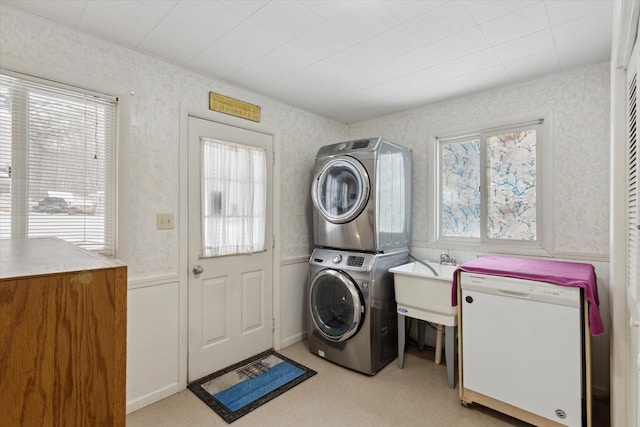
point(239, 389)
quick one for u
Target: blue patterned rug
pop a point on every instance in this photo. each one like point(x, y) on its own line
point(239, 389)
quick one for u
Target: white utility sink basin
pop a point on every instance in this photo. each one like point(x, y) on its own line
point(421, 295)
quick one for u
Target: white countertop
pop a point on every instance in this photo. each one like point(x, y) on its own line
point(34, 257)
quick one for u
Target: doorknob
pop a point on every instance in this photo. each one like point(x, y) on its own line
point(198, 269)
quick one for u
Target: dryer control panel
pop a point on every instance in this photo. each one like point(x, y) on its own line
point(334, 258)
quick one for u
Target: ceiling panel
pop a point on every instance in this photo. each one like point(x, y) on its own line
point(488, 10)
point(587, 27)
point(126, 22)
point(442, 22)
point(407, 10)
point(523, 47)
point(561, 11)
point(350, 59)
point(583, 53)
point(281, 20)
point(63, 11)
point(517, 24)
point(541, 64)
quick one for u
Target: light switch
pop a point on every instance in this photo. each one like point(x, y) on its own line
point(164, 221)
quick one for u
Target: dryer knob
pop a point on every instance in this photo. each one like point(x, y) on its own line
point(342, 146)
point(337, 259)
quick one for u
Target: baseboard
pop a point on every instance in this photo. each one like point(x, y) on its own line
point(295, 260)
point(293, 339)
point(152, 397)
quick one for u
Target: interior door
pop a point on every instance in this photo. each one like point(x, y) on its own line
point(230, 282)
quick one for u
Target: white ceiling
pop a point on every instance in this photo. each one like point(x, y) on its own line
point(352, 60)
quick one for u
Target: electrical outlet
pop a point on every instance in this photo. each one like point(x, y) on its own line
point(164, 221)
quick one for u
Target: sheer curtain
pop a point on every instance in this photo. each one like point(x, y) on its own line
point(233, 198)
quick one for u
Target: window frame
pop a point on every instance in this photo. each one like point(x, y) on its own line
point(543, 245)
point(121, 114)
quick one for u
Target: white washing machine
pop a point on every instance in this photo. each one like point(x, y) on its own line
point(362, 196)
point(351, 306)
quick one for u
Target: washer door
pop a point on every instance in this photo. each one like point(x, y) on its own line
point(340, 190)
point(336, 305)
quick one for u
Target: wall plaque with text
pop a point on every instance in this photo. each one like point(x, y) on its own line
point(233, 107)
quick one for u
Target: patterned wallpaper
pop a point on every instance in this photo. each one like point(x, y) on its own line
point(578, 101)
point(579, 104)
point(159, 88)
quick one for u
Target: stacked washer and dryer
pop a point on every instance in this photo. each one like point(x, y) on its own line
point(362, 214)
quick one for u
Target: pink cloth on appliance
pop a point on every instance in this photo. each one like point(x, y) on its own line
point(556, 272)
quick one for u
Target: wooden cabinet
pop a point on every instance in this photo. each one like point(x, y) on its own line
point(62, 335)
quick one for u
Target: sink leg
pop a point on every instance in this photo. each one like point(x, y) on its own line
point(439, 333)
point(401, 338)
point(422, 326)
point(449, 354)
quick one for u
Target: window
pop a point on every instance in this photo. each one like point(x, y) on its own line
point(57, 152)
point(488, 187)
point(234, 205)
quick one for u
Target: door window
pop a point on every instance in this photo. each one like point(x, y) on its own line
point(234, 200)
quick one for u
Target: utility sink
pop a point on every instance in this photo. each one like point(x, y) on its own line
point(421, 295)
point(424, 296)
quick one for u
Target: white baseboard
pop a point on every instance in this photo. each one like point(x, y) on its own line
point(153, 397)
point(293, 339)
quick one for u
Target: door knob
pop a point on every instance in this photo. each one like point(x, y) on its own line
point(198, 269)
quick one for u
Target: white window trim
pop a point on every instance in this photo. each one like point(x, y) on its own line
point(544, 214)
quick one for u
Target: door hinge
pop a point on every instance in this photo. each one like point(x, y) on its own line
point(273, 243)
point(273, 324)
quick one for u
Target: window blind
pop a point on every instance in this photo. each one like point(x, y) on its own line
point(633, 223)
point(57, 162)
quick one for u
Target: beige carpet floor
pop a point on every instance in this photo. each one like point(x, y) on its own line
point(417, 395)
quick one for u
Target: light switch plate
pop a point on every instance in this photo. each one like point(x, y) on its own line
point(164, 221)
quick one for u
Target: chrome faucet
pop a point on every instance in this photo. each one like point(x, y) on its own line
point(446, 259)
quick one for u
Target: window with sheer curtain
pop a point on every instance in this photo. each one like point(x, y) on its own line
point(234, 200)
point(57, 151)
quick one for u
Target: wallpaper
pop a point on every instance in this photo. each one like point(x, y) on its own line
point(156, 90)
point(578, 102)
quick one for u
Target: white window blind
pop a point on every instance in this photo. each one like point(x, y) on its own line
point(633, 223)
point(57, 153)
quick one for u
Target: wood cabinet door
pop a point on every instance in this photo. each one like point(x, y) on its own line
point(63, 348)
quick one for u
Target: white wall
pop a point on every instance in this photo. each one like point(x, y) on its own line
point(579, 101)
point(578, 105)
point(154, 92)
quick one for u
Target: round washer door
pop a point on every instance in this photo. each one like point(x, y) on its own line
point(336, 305)
point(340, 190)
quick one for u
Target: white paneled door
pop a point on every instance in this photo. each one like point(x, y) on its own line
point(230, 245)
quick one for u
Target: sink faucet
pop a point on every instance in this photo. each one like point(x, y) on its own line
point(446, 259)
